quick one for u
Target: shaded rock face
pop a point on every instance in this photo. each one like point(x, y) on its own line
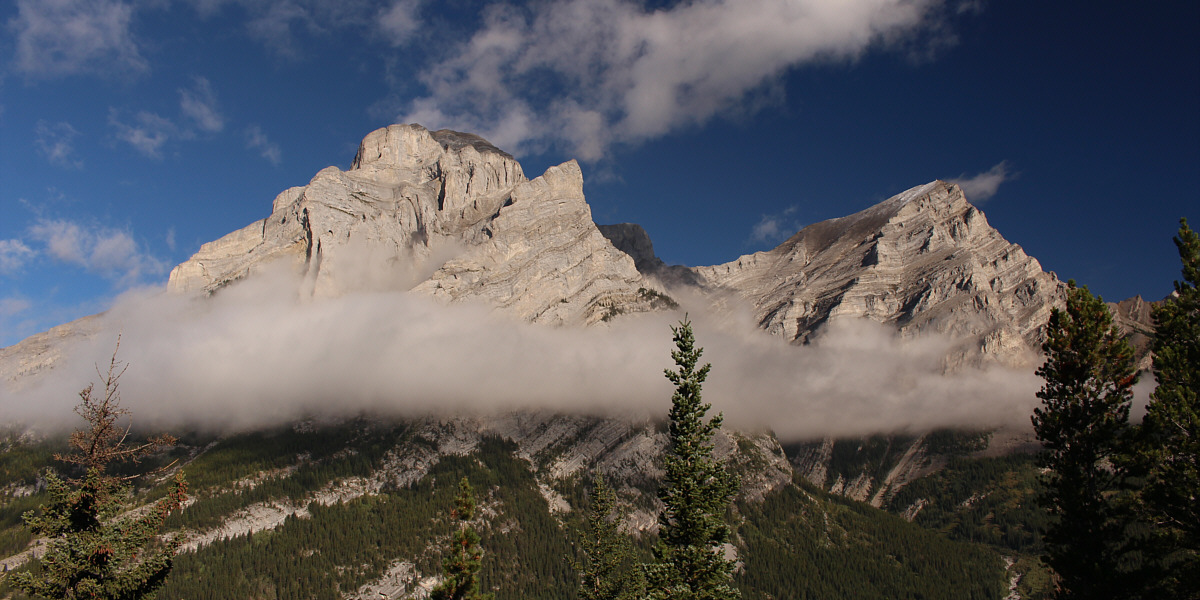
point(631, 239)
point(924, 260)
point(1134, 317)
point(444, 213)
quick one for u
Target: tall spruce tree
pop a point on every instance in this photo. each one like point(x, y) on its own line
point(605, 567)
point(91, 550)
point(461, 567)
point(696, 492)
point(1084, 416)
point(1171, 431)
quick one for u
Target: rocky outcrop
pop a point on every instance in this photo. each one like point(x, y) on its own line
point(1134, 317)
point(416, 202)
point(631, 239)
point(924, 260)
point(40, 352)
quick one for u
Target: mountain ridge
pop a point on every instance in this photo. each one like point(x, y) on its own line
point(449, 215)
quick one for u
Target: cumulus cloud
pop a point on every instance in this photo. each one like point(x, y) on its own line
point(55, 142)
point(258, 353)
point(111, 253)
point(981, 187)
point(199, 104)
point(147, 132)
point(65, 37)
point(13, 255)
point(590, 73)
point(257, 140)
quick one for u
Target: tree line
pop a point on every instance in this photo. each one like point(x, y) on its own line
point(1122, 497)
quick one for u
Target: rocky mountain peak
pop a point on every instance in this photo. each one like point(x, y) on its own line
point(923, 260)
point(450, 203)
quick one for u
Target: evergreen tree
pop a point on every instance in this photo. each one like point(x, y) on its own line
point(1084, 416)
point(461, 567)
point(605, 571)
point(1171, 454)
point(696, 492)
point(91, 551)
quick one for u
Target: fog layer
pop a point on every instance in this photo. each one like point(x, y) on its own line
point(258, 354)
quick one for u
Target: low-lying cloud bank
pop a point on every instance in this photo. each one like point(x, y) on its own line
point(259, 354)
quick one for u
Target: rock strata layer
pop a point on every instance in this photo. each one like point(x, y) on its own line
point(416, 202)
point(924, 260)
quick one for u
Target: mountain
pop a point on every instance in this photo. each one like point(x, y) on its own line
point(366, 502)
point(444, 213)
point(449, 216)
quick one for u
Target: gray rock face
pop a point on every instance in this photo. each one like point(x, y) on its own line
point(449, 215)
point(924, 260)
point(39, 352)
point(413, 199)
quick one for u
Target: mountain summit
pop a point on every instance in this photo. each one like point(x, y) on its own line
point(925, 260)
point(450, 216)
point(446, 214)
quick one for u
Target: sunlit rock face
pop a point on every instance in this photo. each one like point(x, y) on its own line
point(925, 260)
point(443, 213)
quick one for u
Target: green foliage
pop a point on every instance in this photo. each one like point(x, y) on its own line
point(297, 462)
point(606, 568)
point(696, 492)
point(91, 553)
point(1089, 376)
point(91, 550)
point(1170, 452)
point(802, 543)
point(658, 300)
point(346, 545)
point(465, 558)
point(986, 500)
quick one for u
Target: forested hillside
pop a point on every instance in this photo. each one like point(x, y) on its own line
point(340, 538)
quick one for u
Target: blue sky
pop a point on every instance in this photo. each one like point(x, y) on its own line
point(132, 131)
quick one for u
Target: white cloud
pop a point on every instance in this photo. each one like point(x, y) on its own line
point(147, 133)
point(200, 105)
point(981, 187)
point(55, 143)
point(590, 73)
point(399, 21)
point(772, 229)
point(13, 305)
point(65, 37)
point(13, 255)
point(257, 140)
point(279, 24)
point(402, 354)
point(111, 253)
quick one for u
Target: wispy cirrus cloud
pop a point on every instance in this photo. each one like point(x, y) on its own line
point(398, 21)
point(65, 37)
point(772, 229)
point(13, 256)
point(55, 141)
point(256, 139)
point(199, 104)
point(980, 187)
point(622, 73)
point(110, 253)
point(147, 132)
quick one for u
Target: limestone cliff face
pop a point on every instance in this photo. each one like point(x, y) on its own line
point(413, 198)
point(924, 260)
